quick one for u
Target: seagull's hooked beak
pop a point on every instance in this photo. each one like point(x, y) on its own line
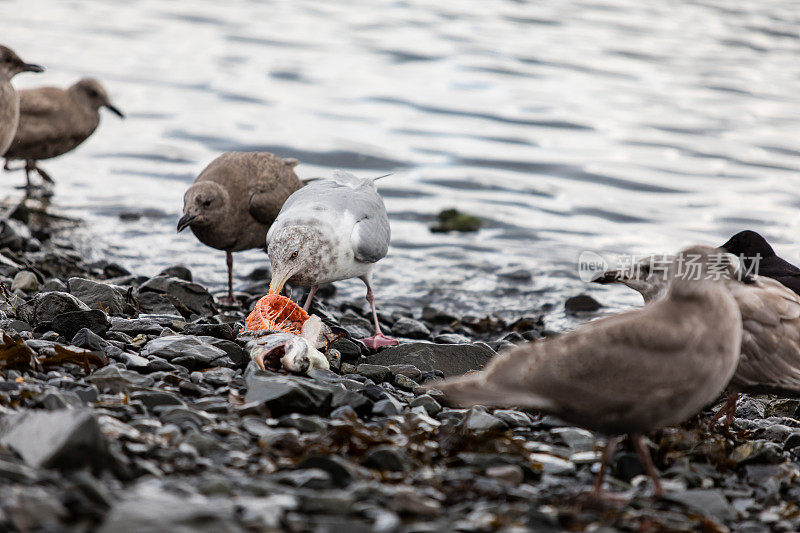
point(278, 280)
point(185, 221)
point(116, 111)
point(608, 277)
point(30, 67)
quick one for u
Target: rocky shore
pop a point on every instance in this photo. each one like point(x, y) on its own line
point(128, 403)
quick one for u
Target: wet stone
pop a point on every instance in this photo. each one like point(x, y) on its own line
point(63, 439)
point(100, 296)
point(451, 359)
point(757, 451)
point(387, 407)
point(479, 420)
point(192, 296)
point(411, 329)
point(288, 394)
point(25, 281)
point(709, 502)
point(185, 348)
point(156, 398)
point(135, 326)
point(350, 351)
point(44, 307)
point(119, 380)
point(427, 402)
point(391, 458)
point(583, 303)
point(377, 373)
point(513, 418)
point(451, 338)
point(68, 324)
point(578, 440)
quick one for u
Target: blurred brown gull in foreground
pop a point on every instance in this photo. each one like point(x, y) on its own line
point(626, 374)
point(770, 358)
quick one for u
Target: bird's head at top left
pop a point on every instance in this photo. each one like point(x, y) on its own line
point(203, 206)
point(11, 64)
point(96, 96)
point(293, 253)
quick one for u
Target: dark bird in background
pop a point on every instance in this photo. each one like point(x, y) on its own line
point(759, 258)
point(10, 66)
point(235, 200)
point(630, 373)
point(53, 121)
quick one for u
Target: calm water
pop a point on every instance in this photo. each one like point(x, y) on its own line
point(617, 126)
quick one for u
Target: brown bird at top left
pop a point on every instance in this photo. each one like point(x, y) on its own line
point(235, 200)
point(10, 66)
point(53, 121)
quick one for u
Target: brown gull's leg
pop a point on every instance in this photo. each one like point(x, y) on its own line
point(230, 299)
point(608, 453)
point(728, 410)
point(647, 462)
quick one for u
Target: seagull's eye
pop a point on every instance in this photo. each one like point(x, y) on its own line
point(294, 255)
point(93, 93)
point(7, 60)
point(206, 203)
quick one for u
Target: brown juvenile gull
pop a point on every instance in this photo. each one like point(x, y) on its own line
point(10, 66)
point(330, 230)
point(630, 373)
point(234, 201)
point(53, 121)
point(770, 358)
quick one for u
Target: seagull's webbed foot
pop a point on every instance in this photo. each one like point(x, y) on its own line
point(379, 340)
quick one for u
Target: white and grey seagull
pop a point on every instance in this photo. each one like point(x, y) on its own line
point(330, 230)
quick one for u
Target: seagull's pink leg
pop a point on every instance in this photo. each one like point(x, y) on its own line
point(379, 339)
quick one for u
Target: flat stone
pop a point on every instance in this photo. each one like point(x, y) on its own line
point(119, 380)
point(150, 509)
point(411, 329)
point(25, 281)
point(708, 502)
point(288, 394)
point(479, 420)
point(45, 306)
point(391, 458)
point(189, 347)
point(377, 373)
point(68, 324)
point(63, 439)
point(451, 359)
point(190, 295)
point(350, 350)
point(100, 296)
point(583, 303)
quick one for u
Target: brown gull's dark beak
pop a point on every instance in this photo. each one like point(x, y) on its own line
point(115, 110)
point(607, 277)
point(30, 67)
point(185, 221)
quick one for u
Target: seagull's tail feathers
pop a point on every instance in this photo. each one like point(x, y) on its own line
point(474, 389)
point(346, 178)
